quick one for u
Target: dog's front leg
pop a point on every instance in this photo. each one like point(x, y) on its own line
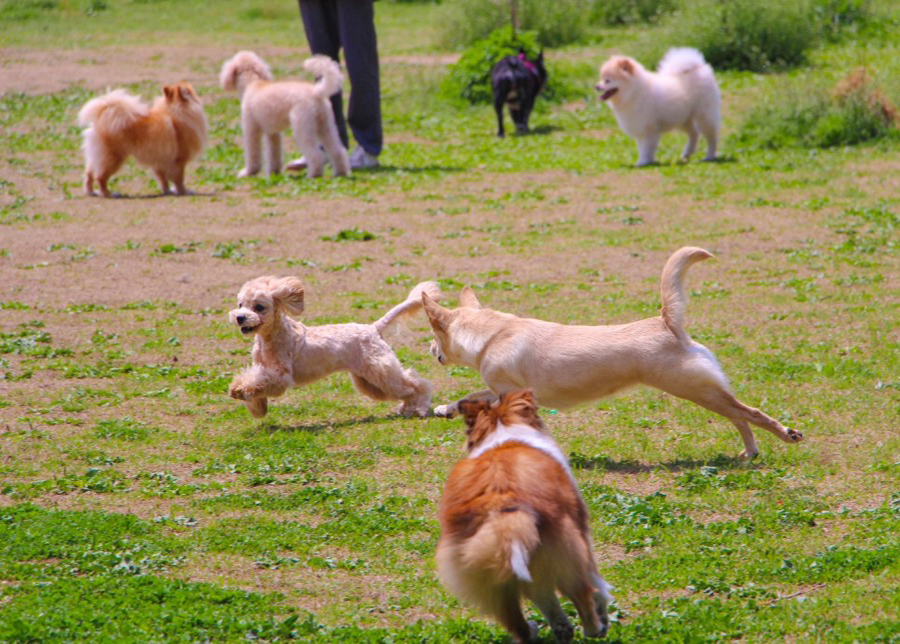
point(255, 385)
point(452, 409)
point(252, 148)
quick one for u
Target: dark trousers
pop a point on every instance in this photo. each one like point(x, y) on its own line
point(330, 25)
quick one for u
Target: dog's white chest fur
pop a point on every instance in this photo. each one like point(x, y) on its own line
point(522, 434)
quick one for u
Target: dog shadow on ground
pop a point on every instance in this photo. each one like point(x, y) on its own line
point(539, 130)
point(158, 195)
point(392, 169)
point(629, 466)
point(315, 428)
point(677, 162)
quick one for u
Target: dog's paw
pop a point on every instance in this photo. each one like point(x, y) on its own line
point(534, 631)
point(747, 455)
point(236, 390)
point(246, 172)
point(794, 436)
point(409, 410)
point(563, 632)
point(258, 407)
point(445, 411)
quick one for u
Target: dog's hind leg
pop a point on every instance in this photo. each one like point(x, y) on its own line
point(273, 151)
point(305, 133)
point(506, 607)
point(163, 180)
point(709, 128)
point(331, 141)
point(390, 381)
point(544, 597)
point(691, 145)
point(723, 402)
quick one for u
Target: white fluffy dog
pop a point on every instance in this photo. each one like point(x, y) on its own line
point(269, 107)
point(287, 353)
point(682, 94)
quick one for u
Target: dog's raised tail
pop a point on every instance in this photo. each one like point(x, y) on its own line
point(329, 79)
point(503, 545)
point(674, 300)
point(410, 306)
point(117, 110)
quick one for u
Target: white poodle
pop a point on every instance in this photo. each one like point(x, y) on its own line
point(287, 353)
point(269, 107)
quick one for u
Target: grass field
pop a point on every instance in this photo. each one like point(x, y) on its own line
point(138, 502)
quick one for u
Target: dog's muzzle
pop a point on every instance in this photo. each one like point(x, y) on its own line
point(608, 94)
point(247, 328)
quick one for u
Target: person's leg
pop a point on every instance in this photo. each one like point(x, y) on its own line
point(320, 22)
point(356, 26)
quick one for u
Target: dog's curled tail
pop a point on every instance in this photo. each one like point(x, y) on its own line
point(674, 300)
point(113, 111)
point(329, 79)
point(682, 60)
point(504, 544)
point(410, 306)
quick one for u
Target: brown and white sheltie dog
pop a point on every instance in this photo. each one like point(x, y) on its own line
point(513, 523)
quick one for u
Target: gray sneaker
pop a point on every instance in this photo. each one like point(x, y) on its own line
point(359, 158)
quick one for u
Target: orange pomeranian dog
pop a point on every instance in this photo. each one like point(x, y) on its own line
point(164, 137)
point(513, 523)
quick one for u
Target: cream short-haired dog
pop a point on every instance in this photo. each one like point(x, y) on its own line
point(566, 364)
point(681, 95)
point(269, 107)
point(286, 353)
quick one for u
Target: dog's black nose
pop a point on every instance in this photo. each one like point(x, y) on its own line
point(241, 319)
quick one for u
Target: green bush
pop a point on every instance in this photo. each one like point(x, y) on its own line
point(753, 35)
point(855, 112)
point(628, 12)
point(470, 77)
point(469, 80)
point(554, 23)
point(836, 17)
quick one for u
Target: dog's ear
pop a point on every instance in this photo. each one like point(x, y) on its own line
point(186, 92)
point(438, 317)
point(519, 407)
point(288, 291)
point(626, 66)
point(467, 298)
point(540, 57)
point(470, 410)
point(169, 91)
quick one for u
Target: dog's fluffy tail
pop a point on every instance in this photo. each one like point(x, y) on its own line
point(682, 60)
point(114, 111)
point(674, 300)
point(503, 545)
point(410, 306)
point(329, 79)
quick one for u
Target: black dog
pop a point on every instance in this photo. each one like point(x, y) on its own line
point(517, 81)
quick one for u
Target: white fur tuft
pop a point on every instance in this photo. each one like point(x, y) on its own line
point(518, 561)
point(603, 589)
point(681, 60)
